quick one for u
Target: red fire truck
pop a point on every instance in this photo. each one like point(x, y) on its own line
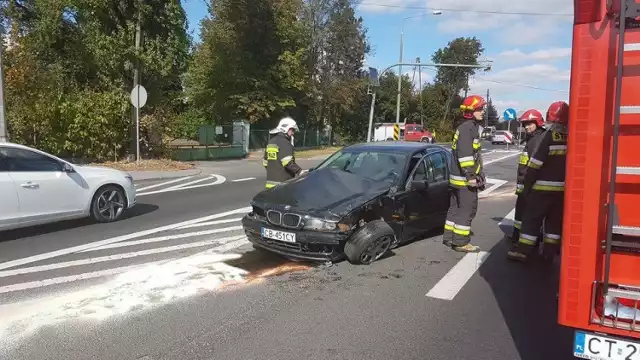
point(600, 261)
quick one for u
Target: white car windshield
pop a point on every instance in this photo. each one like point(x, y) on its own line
point(377, 166)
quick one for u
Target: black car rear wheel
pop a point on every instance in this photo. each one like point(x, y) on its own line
point(369, 243)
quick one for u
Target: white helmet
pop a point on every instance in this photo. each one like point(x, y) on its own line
point(284, 125)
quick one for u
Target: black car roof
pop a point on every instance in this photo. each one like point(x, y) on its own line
point(392, 146)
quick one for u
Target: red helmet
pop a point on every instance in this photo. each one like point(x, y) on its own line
point(470, 104)
point(532, 115)
point(558, 113)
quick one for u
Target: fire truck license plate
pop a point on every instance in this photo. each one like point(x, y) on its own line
point(597, 347)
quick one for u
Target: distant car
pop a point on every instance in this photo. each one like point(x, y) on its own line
point(38, 188)
point(500, 137)
point(360, 202)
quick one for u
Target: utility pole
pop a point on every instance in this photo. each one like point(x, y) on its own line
point(3, 124)
point(420, 90)
point(136, 81)
point(486, 113)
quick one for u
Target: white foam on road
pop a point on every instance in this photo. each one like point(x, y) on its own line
point(136, 289)
point(116, 257)
point(79, 248)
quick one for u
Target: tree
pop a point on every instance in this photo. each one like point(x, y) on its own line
point(458, 51)
point(251, 62)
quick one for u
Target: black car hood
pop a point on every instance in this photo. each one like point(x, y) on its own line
point(325, 193)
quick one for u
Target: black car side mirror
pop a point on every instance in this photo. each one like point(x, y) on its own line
point(419, 185)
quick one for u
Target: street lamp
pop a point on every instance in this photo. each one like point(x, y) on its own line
point(435, 13)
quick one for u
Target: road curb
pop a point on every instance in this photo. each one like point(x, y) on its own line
point(161, 175)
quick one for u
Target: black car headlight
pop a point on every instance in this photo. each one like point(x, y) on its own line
point(316, 224)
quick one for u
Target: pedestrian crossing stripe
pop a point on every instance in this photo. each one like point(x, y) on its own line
point(396, 132)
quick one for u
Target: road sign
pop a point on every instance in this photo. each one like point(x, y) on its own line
point(508, 136)
point(396, 132)
point(138, 96)
point(509, 114)
point(373, 77)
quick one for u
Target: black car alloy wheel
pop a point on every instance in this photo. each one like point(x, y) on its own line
point(369, 243)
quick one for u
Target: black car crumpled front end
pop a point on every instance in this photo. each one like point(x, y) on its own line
point(281, 226)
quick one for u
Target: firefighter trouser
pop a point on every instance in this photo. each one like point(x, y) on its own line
point(521, 204)
point(547, 207)
point(463, 205)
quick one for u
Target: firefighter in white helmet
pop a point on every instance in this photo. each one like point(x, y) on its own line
point(279, 159)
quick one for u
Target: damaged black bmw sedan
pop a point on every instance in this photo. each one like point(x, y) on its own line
point(360, 202)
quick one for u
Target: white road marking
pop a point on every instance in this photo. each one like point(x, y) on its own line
point(162, 238)
point(508, 219)
point(496, 184)
point(451, 284)
point(209, 223)
point(116, 257)
point(502, 158)
point(209, 177)
point(164, 183)
point(219, 180)
point(244, 179)
point(74, 249)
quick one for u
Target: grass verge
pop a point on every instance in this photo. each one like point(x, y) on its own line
point(148, 165)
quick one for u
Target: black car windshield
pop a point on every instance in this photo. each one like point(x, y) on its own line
point(375, 165)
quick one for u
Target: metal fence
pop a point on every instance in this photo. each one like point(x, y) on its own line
point(311, 137)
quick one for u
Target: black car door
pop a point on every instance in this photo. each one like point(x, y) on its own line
point(438, 191)
point(413, 201)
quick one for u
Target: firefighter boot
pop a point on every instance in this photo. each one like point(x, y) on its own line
point(519, 252)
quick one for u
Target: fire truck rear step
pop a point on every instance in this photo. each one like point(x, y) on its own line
point(629, 109)
point(628, 170)
point(632, 47)
point(626, 230)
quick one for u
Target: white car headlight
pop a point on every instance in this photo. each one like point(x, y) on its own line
point(319, 225)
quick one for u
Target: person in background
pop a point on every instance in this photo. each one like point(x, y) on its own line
point(279, 159)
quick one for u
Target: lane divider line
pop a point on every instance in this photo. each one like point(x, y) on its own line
point(210, 223)
point(219, 180)
point(163, 183)
point(244, 179)
point(451, 284)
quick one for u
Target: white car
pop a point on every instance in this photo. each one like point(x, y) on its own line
point(38, 188)
point(500, 137)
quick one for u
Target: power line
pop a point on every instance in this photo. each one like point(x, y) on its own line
point(524, 86)
point(461, 10)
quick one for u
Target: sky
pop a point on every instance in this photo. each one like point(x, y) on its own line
point(531, 53)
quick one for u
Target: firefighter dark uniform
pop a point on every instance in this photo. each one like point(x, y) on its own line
point(279, 160)
point(465, 178)
point(532, 141)
point(544, 183)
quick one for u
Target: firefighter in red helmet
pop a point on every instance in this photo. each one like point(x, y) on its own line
point(466, 177)
point(532, 122)
point(544, 187)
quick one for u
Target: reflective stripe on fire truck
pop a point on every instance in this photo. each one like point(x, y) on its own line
point(552, 239)
point(549, 185)
point(534, 163)
point(558, 150)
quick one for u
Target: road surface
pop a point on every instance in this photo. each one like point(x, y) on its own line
point(176, 280)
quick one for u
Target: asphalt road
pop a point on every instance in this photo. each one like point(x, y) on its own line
point(94, 300)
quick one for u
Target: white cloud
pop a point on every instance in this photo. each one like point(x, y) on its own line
point(539, 55)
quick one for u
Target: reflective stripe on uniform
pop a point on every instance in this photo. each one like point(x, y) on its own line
point(271, 184)
point(552, 239)
point(519, 188)
point(534, 163)
point(265, 162)
point(549, 185)
point(286, 160)
point(272, 152)
point(448, 225)
point(517, 224)
point(558, 150)
point(454, 142)
point(524, 158)
point(462, 230)
point(476, 144)
point(527, 239)
point(467, 161)
point(457, 180)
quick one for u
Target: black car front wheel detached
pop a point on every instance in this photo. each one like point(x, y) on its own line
point(369, 243)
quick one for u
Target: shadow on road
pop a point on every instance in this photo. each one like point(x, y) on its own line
point(526, 295)
point(139, 210)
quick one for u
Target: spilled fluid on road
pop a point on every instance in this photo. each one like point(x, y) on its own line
point(142, 289)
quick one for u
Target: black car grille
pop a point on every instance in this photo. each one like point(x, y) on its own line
point(274, 217)
point(291, 220)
